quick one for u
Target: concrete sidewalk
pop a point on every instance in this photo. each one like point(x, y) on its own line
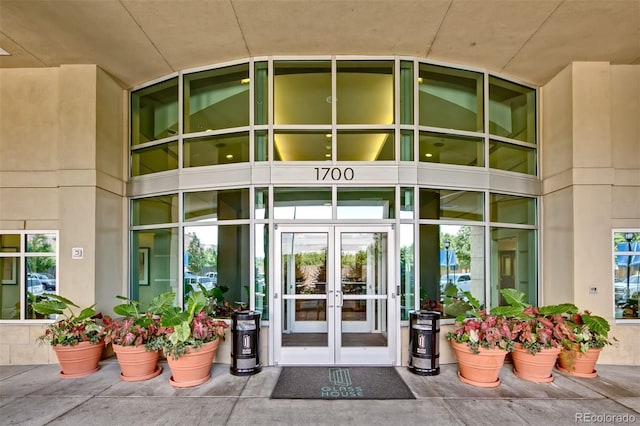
point(35, 395)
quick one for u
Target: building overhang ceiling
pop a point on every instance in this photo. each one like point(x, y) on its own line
point(136, 41)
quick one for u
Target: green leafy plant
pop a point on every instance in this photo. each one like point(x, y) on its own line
point(191, 328)
point(535, 327)
point(75, 327)
point(457, 303)
point(136, 327)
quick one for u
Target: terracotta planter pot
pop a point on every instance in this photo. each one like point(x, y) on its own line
point(482, 369)
point(79, 360)
point(136, 364)
point(194, 367)
point(576, 363)
point(536, 367)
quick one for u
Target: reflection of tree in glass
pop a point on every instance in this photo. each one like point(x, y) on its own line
point(310, 269)
point(40, 244)
point(196, 255)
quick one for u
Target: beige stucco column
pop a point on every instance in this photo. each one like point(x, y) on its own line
point(63, 150)
point(591, 186)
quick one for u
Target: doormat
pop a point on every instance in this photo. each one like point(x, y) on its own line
point(341, 383)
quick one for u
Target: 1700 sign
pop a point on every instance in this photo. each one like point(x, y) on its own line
point(334, 173)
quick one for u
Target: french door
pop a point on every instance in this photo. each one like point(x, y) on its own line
point(334, 298)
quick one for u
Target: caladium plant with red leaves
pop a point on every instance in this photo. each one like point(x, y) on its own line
point(481, 329)
point(541, 327)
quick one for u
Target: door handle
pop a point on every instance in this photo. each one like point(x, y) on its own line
point(339, 295)
point(330, 298)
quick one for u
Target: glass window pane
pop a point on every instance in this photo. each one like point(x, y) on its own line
point(154, 263)
point(451, 255)
point(512, 110)
point(406, 145)
point(406, 203)
point(406, 92)
point(450, 149)
point(262, 270)
point(218, 256)
point(366, 203)
point(514, 158)
point(261, 203)
point(302, 92)
point(302, 203)
point(41, 243)
point(513, 263)
point(407, 270)
point(159, 158)
point(207, 206)
point(10, 243)
point(370, 146)
point(302, 146)
point(261, 145)
point(513, 209)
point(626, 279)
point(216, 99)
point(10, 273)
point(154, 210)
point(42, 269)
point(261, 75)
point(154, 112)
point(213, 150)
point(449, 204)
point(364, 91)
point(450, 98)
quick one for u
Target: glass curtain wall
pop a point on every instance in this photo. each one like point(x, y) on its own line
point(333, 111)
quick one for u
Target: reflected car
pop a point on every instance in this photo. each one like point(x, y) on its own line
point(213, 276)
point(34, 286)
point(48, 282)
point(462, 281)
point(620, 287)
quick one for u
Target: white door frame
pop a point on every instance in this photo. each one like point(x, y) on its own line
point(334, 353)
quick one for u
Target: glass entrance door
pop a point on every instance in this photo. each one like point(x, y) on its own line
point(335, 304)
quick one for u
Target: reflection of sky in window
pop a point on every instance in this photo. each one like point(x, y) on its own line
point(208, 235)
point(302, 212)
point(362, 212)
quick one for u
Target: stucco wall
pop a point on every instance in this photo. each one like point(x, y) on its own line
point(62, 154)
point(590, 144)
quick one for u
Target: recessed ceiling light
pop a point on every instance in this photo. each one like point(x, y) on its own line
point(328, 155)
point(4, 52)
point(328, 136)
point(229, 156)
point(245, 81)
point(428, 154)
point(327, 147)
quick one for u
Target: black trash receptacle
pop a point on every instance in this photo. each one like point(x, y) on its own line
point(424, 343)
point(245, 347)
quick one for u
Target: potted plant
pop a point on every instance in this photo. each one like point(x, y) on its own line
point(581, 348)
point(538, 333)
point(191, 340)
point(137, 337)
point(78, 338)
point(481, 343)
